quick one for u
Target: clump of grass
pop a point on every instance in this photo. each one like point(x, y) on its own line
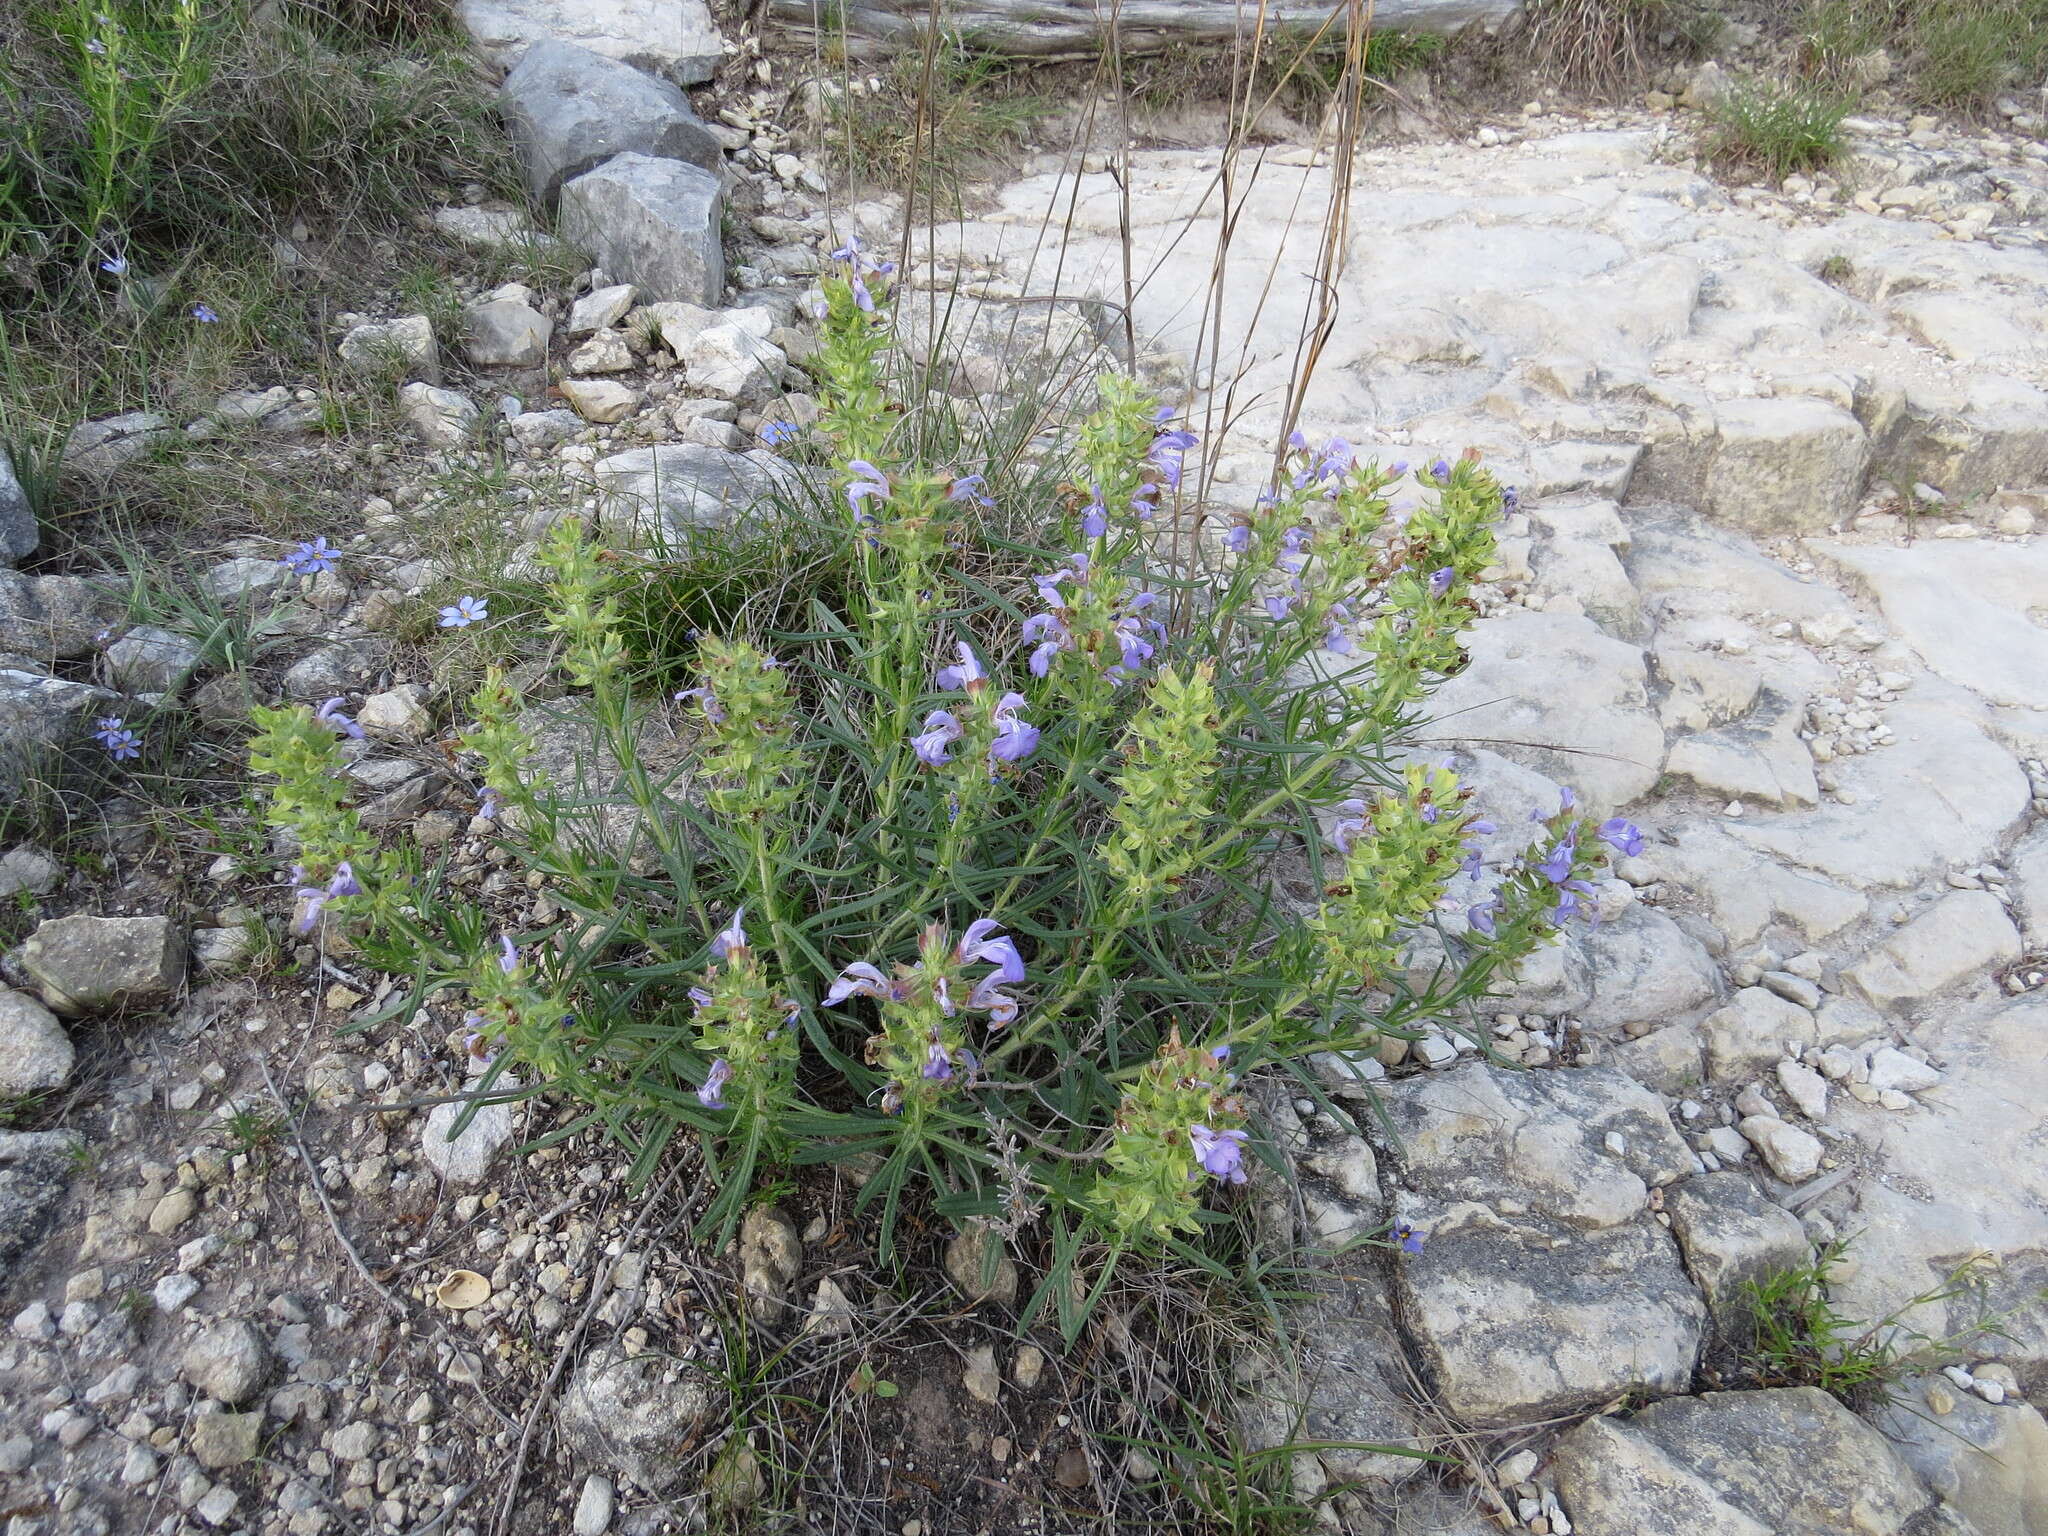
point(1801, 1340)
point(1777, 130)
point(930, 120)
point(1597, 45)
point(1952, 55)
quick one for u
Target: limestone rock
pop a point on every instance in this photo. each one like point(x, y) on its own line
point(540, 430)
point(2030, 886)
point(102, 448)
point(399, 713)
point(771, 1257)
point(49, 618)
point(653, 223)
point(505, 333)
point(1988, 1464)
point(1646, 969)
point(600, 309)
point(86, 964)
point(1754, 1030)
point(36, 1054)
point(223, 1440)
point(20, 534)
point(601, 400)
point(570, 110)
point(441, 418)
point(1789, 1462)
point(1785, 465)
point(403, 348)
point(659, 495)
point(228, 1361)
point(242, 578)
point(674, 38)
point(1551, 692)
point(339, 667)
point(1793, 1154)
point(1730, 1235)
point(730, 361)
point(637, 1413)
point(151, 660)
point(34, 1168)
point(466, 1159)
point(604, 352)
point(1964, 934)
point(1575, 1297)
point(1758, 759)
point(979, 1269)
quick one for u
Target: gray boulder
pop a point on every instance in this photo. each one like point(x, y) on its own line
point(245, 576)
point(35, 1053)
point(504, 333)
point(227, 1362)
point(53, 618)
point(99, 449)
point(39, 717)
point(404, 347)
point(659, 496)
point(82, 964)
point(442, 418)
point(571, 110)
point(638, 1413)
point(1544, 1286)
point(19, 533)
point(34, 1168)
point(151, 660)
point(1791, 1462)
point(650, 222)
point(1732, 1236)
point(339, 667)
point(675, 38)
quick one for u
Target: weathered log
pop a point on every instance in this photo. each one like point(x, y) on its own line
point(1062, 28)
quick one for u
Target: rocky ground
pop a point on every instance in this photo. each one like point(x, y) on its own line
point(1775, 586)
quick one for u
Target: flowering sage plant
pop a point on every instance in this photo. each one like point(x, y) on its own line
point(1073, 805)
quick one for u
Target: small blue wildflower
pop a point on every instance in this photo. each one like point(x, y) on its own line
point(867, 481)
point(1440, 580)
point(464, 612)
point(712, 1094)
point(1623, 836)
point(204, 314)
point(1409, 1238)
point(508, 954)
point(117, 266)
point(1221, 1153)
point(968, 673)
point(1556, 866)
point(330, 715)
point(732, 937)
point(776, 433)
point(933, 745)
point(309, 557)
point(972, 488)
point(122, 745)
point(1238, 539)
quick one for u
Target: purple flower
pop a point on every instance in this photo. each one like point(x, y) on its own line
point(1239, 538)
point(344, 882)
point(489, 803)
point(1294, 550)
point(1015, 739)
point(776, 433)
point(867, 481)
point(1221, 1153)
point(1567, 798)
point(966, 674)
point(859, 979)
point(972, 488)
point(464, 612)
point(706, 701)
point(1337, 459)
point(1094, 519)
point(1440, 580)
point(1298, 440)
point(932, 745)
point(712, 1094)
point(1278, 604)
point(330, 715)
point(1510, 499)
point(731, 937)
point(1338, 639)
point(1567, 904)
point(988, 997)
point(984, 943)
point(1408, 1237)
point(1440, 471)
point(508, 954)
point(116, 265)
point(1622, 835)
point(938, 1067)
point(1556, 866)
point(309, 557)
point(204, 314)
point(122, 744)
point(1052, 638)
point(1480, 915)
point(1352, 820)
